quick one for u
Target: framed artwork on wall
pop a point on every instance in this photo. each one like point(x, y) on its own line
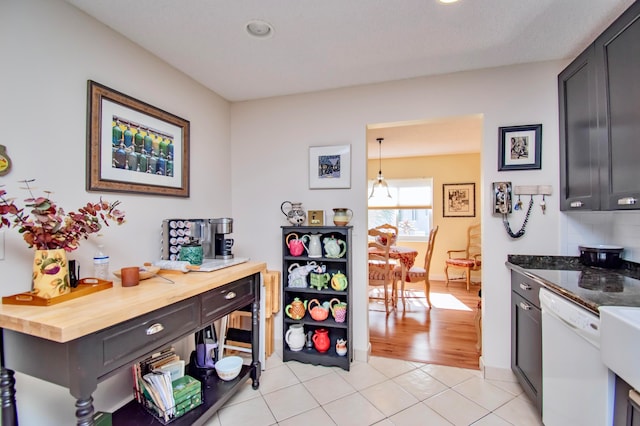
point(134, 147)
point(330, 167)
point(459, 200)
point(519, 147)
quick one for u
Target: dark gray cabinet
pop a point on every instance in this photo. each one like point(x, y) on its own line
point(526, 336)
point(332, 265)
point(599, 104)
point(618, 57)
point(579, 177)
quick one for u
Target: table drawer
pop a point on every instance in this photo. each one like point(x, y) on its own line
point(125, 342)
point(526, 287)
point(218, 302)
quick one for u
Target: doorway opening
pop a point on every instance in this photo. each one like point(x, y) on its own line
point(442, 151)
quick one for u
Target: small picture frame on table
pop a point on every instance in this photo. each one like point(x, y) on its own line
point(315, 217)
point(519, 147)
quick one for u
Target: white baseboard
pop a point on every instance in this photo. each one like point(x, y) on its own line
point(495, 373)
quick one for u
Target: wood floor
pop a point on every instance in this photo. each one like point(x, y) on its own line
point(444, 334)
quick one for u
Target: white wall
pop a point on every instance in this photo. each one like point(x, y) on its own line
point(50, 50)
point(591, 228)
point(270, 143)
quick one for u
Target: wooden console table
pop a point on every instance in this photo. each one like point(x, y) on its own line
point(88, 339)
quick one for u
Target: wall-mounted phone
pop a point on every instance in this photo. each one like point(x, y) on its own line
point(502, 197)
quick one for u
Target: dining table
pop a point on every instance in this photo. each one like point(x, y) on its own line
point(406, 257)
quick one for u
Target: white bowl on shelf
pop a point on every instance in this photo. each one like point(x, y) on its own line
point(228, 367)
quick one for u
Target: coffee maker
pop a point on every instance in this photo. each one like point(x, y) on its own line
point(222, 245)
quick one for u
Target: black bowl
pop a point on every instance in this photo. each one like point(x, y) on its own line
point(601, 256)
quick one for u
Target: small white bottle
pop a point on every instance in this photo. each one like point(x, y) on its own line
point(101, 264)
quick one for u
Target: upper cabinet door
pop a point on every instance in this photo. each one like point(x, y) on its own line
point(618, 59)
point(579, 166)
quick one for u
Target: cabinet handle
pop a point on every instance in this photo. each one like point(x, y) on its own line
point(230, 295)
point(575, 204)
point(627, 201)
point(525, 286)
point(524, 306)
point(155, 328)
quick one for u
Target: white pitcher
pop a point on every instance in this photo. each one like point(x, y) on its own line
point(314, 248)
point(295, 337)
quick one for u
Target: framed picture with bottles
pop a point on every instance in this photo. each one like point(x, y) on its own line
point(134, 147)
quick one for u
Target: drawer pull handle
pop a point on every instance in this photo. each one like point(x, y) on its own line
point(524, 306)
point(628, 201)
point(525, 286)
point(155, 328)
point(575, 204)
point(230, 295)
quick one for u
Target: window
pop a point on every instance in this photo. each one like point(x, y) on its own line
point(410, 208)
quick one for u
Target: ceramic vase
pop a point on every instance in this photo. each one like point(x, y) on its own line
point(50, 273)
point(295, 337)
point(342, 216)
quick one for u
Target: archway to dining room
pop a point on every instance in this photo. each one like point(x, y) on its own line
point(416, 159)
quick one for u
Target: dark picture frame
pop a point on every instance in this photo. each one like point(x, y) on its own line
point(459, 199)
point(520, 147)
point(134, 147)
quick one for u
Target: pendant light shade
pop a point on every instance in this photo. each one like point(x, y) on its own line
point(380, 187)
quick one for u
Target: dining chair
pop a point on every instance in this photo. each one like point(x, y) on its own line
point(389, 229)
point(418, 273)
point(380, 266)
point(468, 259)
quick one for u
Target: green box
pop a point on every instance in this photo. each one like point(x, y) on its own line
point(184, 387)
point(102, 419)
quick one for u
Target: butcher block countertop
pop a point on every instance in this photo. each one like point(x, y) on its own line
point(88, 314)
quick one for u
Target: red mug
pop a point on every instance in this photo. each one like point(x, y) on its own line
point(130, 276)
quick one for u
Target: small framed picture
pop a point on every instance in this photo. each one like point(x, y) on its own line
point(519, 147)
point(459, 200)
point(330, 167)
point(315, 217)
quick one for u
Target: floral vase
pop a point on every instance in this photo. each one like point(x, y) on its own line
point(50, 273)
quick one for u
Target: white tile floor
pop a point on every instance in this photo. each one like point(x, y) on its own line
point(382, 392)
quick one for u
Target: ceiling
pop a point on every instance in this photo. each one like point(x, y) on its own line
point(318, 45)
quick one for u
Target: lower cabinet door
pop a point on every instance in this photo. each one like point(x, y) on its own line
point(526, 346)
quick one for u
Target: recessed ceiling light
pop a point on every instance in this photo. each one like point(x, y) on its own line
point(448, 1)
point(259, 28)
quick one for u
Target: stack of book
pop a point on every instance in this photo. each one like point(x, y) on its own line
point(161, 386)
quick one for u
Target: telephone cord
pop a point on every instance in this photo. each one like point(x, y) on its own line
point(520, 233)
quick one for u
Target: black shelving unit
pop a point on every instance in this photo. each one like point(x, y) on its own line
point(333, 266)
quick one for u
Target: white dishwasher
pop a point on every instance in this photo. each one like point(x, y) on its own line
point(577, 388)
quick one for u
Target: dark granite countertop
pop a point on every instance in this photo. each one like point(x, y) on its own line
point(588, 286)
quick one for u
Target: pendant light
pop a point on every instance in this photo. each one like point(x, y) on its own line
point(380, 187)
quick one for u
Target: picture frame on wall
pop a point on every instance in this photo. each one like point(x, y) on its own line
point(520, 147)
point(459, 200)
point(330, 167)
point(134, 147)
